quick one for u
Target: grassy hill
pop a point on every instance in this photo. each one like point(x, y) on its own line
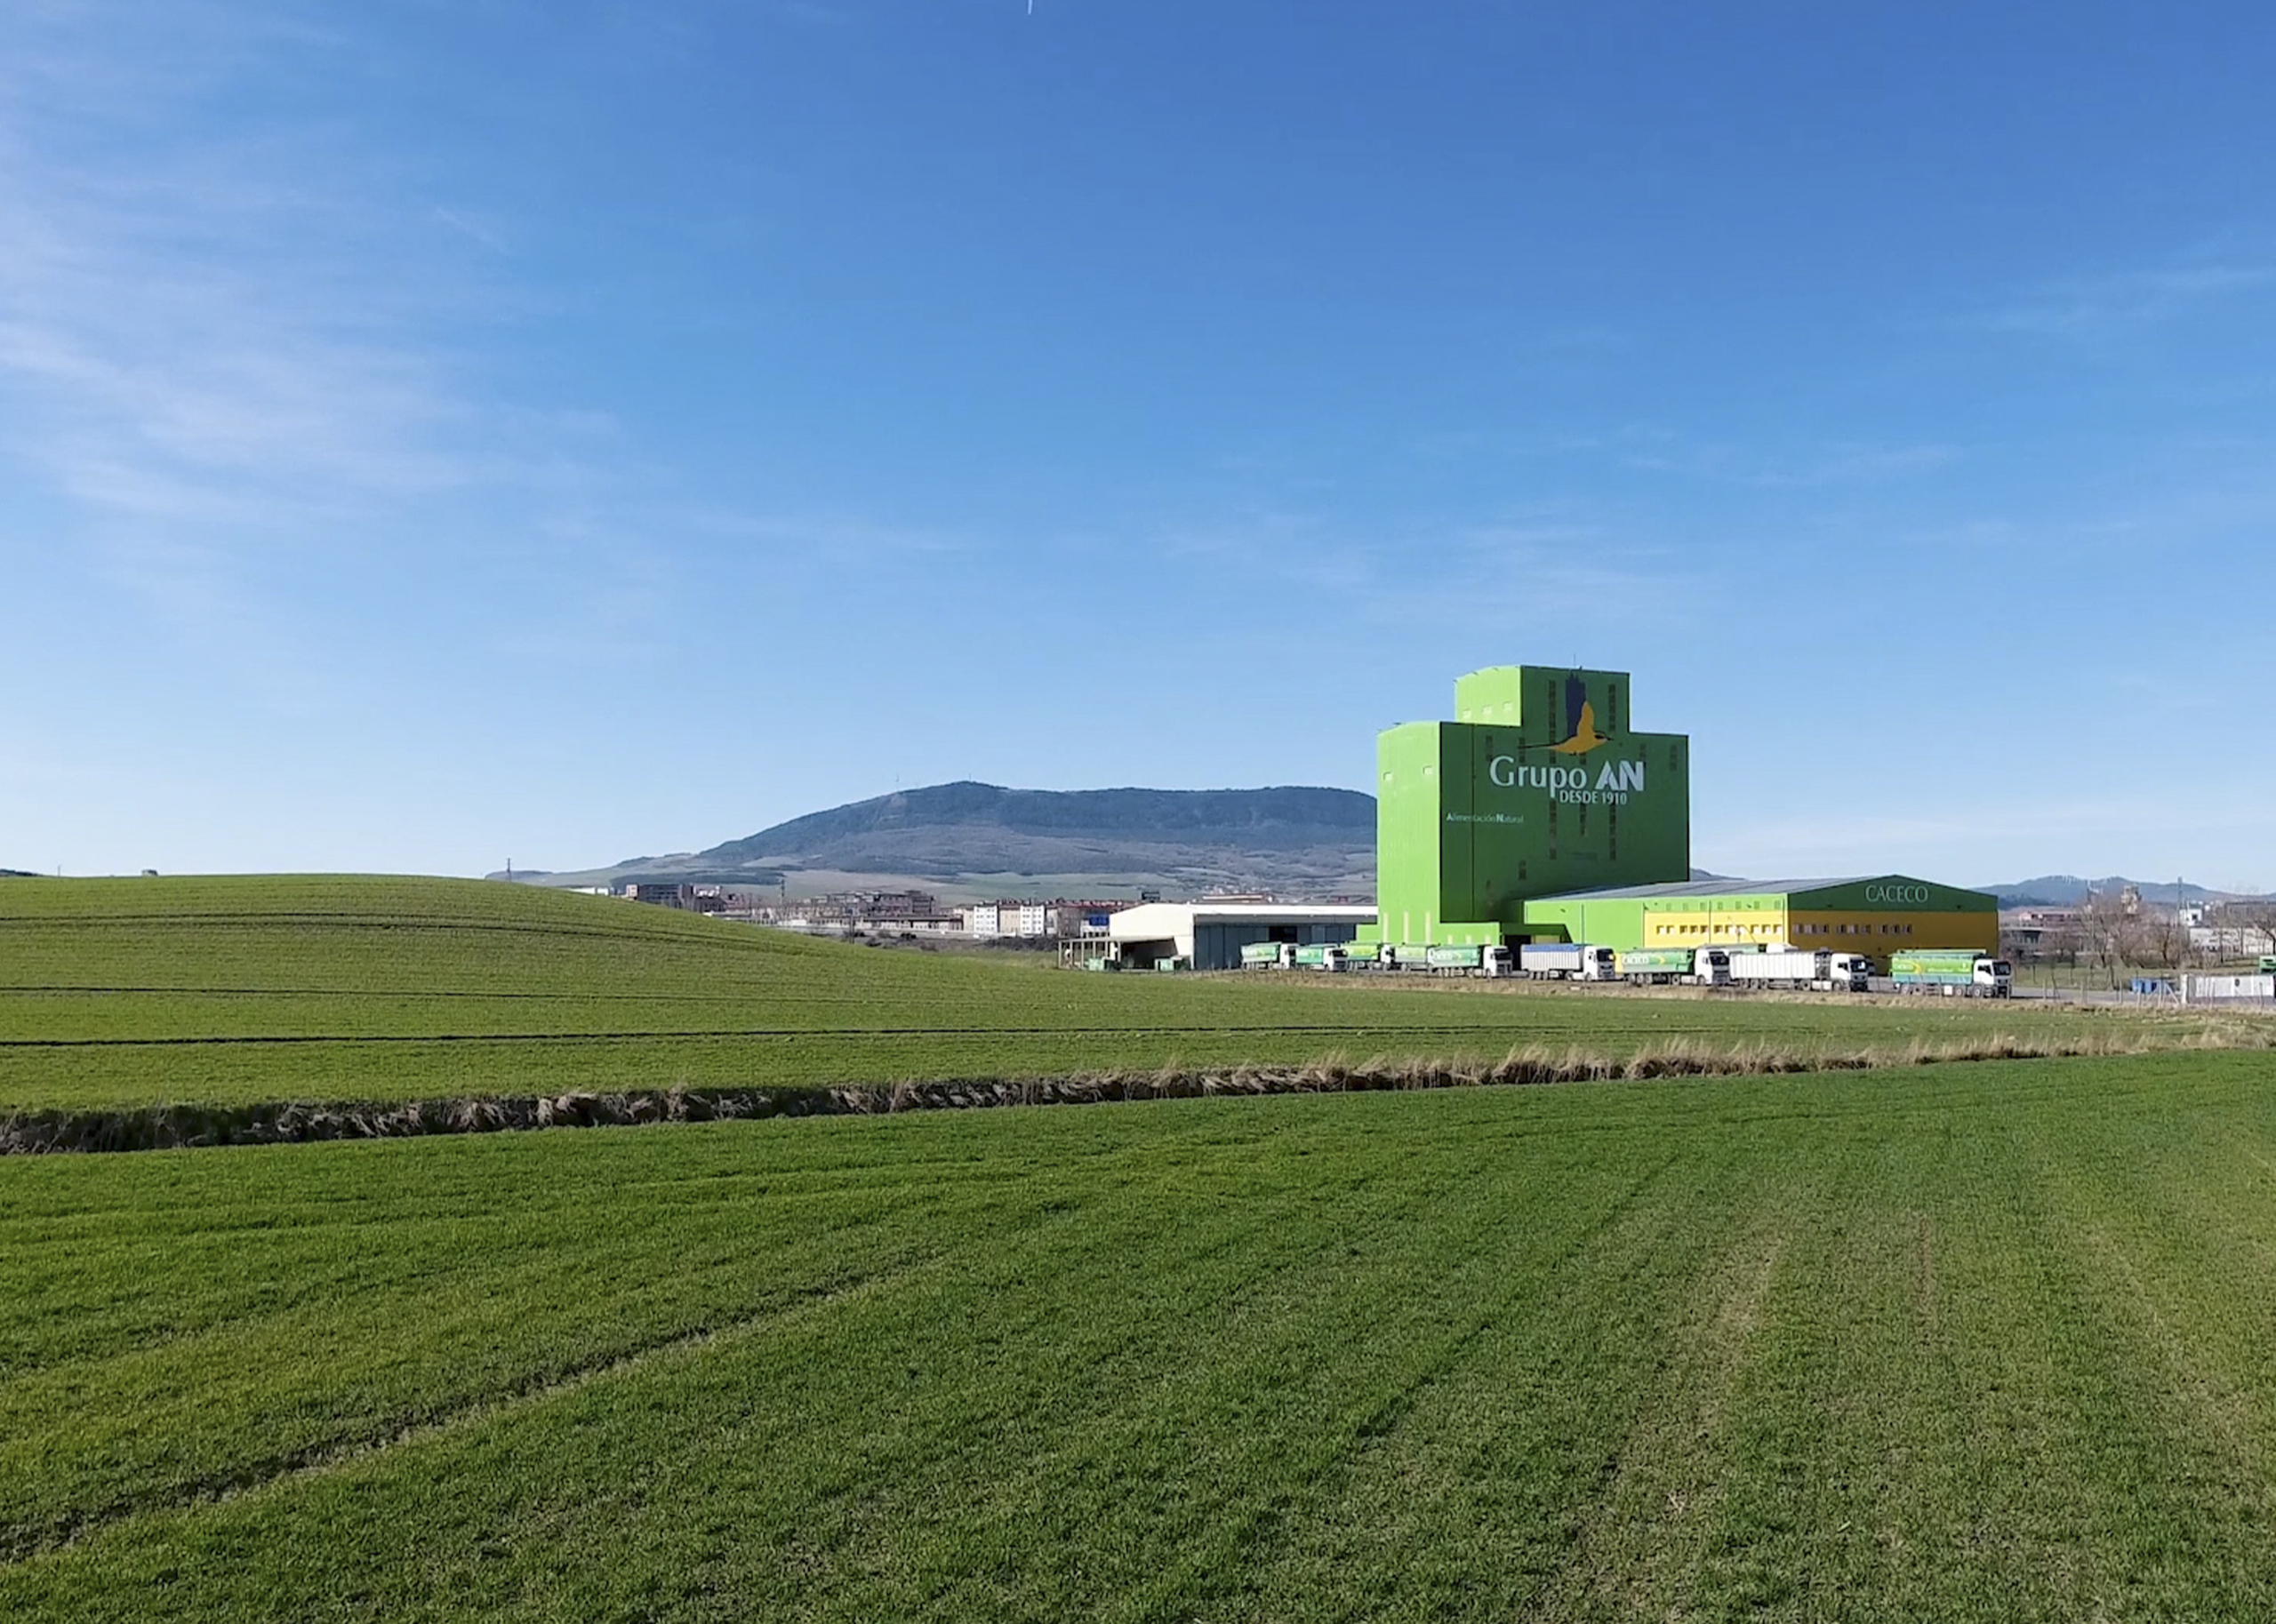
point(118, 993)
point(1984, 1342)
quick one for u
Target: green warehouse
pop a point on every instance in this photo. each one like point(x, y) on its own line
point(1875, 914)
point(1541, 814)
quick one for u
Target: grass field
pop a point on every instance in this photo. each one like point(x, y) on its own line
point(117, 994)
point(1990, 1341)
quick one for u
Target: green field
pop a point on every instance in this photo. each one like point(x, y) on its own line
point(123, 993)
point(1995, 1340)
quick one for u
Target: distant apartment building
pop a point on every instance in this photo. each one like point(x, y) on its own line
point(733, 901)
point(869, 910)
point(660, 895)
point(2033, 929)
point(1057, 919)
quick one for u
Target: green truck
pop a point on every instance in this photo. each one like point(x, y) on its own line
point(1658, 966)
point(1952, 971)
point(1289, 956)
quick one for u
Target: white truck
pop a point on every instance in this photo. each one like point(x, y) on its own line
point(1801, 969)
point(1567, 961)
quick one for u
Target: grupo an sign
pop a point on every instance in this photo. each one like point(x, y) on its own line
point(1615, 781)
point(1896, 893)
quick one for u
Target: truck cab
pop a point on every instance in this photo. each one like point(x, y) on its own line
point(1711, 967)
point(1995, 978)
point(1847, 972)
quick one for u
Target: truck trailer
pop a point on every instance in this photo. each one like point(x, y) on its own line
point(1287, 956)
point(1452, 960)
point(1952, 971)
point(1818, 971)
point(1567, 961)
point(1658, 966)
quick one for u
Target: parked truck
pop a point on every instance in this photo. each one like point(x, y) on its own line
point(1658, 966)
point(1567, 961)
point(1819, 971)
point(1952, 971)
point(1452, 960)
point(1289, 956)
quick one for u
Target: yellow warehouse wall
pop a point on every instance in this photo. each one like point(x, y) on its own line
point(1880, 935)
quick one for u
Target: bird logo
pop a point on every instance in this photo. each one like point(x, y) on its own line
point(1584, 736)
point(1581, 735)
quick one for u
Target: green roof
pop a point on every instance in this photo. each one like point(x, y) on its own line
point(1710, 888)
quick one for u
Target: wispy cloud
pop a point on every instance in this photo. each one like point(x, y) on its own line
point(1466, 573)
point(233, 343)
point(1837, 463)
point(2102, 303)
point(192, 329)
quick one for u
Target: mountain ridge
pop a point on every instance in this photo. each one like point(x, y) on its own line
point(987, 838)
point(2068, 889)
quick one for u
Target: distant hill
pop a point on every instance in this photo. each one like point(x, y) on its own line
point(969, 840)
point(984, 839)
point(2069, 890)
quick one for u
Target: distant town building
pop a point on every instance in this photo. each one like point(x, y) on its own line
point(660, 895)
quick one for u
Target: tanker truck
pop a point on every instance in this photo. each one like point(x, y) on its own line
point(1954, 972)
point(1658, 966)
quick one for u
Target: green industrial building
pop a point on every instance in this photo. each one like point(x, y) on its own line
point(1540, 787)
point(1541, 814)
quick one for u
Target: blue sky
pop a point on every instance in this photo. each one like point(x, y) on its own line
point(437, 433)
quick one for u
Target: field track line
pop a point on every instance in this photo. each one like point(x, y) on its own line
point(1652, 1513)
point(454, 925)
point(19, 1547)
point(808, 1032)
point(2218, 1407)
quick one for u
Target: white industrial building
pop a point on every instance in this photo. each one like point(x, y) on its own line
point(1211, 935)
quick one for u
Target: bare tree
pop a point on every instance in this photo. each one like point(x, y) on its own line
point(2104, 923)
point(2159, 938)
point(2256, 915)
